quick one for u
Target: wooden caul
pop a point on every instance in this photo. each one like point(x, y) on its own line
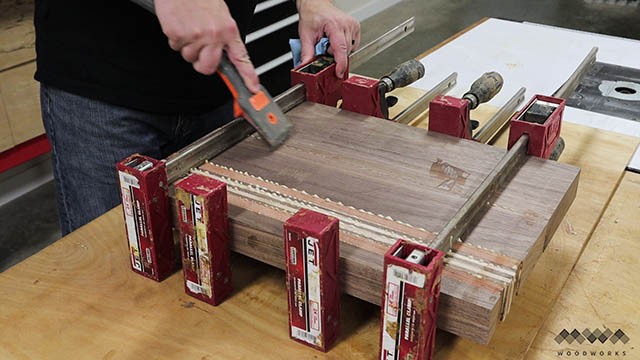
point(384, 181)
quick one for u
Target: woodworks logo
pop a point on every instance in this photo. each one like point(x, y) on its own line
point(598, 344)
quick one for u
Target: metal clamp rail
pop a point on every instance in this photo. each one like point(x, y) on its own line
point(422, 104)
point(498, 121)
point(467, 215)
point(221, 139)
point(574, 80)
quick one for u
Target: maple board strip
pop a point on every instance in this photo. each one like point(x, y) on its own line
point(325, 205)
point(420, 180)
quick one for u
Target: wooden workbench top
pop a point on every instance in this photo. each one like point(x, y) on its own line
point(78, 299)
point(602, 290)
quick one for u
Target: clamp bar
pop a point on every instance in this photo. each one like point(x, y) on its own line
point(467, 215)
point(382, 43)
point(422, 104)
point(498, 121)
point(219, 140)
point(572, 83)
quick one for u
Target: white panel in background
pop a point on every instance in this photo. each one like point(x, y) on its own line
point(274, 63)
point(538, 57)
point(601, 121)
point(265, 5)
point(271, 28)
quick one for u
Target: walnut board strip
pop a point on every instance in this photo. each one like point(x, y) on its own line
point(411, 178)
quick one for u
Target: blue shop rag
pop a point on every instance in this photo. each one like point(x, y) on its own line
point(296, 49)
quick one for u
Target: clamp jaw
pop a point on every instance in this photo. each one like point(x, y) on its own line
point(320, 80)
point(450, 115)
point(359, 94)
point(541, 119)
point(369, 96)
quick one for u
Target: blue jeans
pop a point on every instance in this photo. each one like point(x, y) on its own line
point(89, 137)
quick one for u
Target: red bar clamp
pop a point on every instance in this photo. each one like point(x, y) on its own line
point(312, 248)
point(203, 224)
point(369, 96)
point(320, 80)
point(450, 115)
point(362, 95)
point(411, 282)
point(541, 119)
point(145, 204)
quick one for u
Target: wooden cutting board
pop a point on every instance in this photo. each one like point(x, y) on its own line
point(409, 183)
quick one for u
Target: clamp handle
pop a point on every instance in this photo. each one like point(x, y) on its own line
point(259, 109)
point(484, 89)
point(403, 75)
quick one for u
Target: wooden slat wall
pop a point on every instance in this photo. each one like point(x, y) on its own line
point(6, 138)
point(21, 96)
point(20, 118)
point(17, 35)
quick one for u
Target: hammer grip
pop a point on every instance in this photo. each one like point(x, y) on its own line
point(484, 89)
point(404, 74)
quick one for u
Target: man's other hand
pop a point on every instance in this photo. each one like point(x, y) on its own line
point(319, 18)
point(201, 30)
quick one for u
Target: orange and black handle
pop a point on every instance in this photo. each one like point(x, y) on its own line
point(258, 109)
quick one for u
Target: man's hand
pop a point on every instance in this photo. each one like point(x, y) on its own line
point(201, 30)
point(320, 17)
